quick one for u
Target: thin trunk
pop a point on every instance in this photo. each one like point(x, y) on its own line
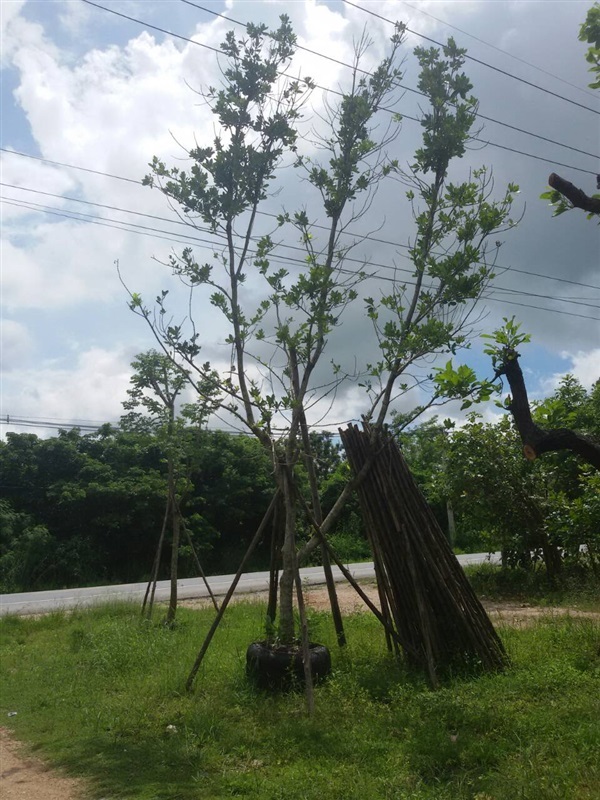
point(275, 562)
point(288, 557)
point(251, 547)
point(156, 565)
point(451, 522)
point(318, 513)
point(308, 681)
point(176, 529)
point(198, 564)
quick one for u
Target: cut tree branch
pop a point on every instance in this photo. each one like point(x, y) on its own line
point(536, 440)
point(576, 196)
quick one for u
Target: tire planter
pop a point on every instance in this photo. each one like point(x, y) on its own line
point(282, 668)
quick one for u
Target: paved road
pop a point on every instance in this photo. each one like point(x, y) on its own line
point(39, 602)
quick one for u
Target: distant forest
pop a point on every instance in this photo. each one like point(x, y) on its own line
point(87, 509)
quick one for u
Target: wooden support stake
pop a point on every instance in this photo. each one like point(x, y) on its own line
point(257, 537)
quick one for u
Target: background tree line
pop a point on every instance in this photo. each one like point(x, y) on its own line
point(83, 509)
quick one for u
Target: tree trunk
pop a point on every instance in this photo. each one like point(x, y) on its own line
point(574, 195)
point(277, 537)
point(288, 557)
point(176, 529)
point(451, 522)
point(148, 605)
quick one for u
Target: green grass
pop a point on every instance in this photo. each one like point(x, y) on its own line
point(96, 691)
point(577, 586)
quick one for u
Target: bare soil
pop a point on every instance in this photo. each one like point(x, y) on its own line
point(24, 777)
point(500, 612)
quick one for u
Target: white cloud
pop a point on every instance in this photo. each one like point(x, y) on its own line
point(12, 27)
point(68, 263)
point(92, 389)
point(114, 107)
point(585, 367)
point(16, 344)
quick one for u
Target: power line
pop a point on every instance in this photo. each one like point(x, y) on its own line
point(287, 259)
point(400, 85)
point(262, 213)
point(154, 233)
point(32, 423)
point(500, 50)
point(475, 60)
point(542, 308)
point(69, 166)
point(488, 142)
point(56, 423)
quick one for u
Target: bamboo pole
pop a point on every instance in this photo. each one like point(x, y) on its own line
point(156, 564)
point(205, 645)
point(434, 608)
point(199, 565)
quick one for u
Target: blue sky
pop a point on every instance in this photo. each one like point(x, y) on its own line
point(86, 88)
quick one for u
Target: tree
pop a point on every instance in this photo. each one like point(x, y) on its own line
point(97, 496)
point(498, 496)
point(536, 439)
point(26, 549)
point(590, 33)
point(157, 384)
point(563, 195)
point(278, 346)
point(531, 510)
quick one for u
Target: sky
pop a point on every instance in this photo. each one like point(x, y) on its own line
point(88, 89)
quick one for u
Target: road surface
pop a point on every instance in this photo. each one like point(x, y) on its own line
point(54, 600)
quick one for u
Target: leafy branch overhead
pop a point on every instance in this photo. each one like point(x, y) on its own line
point(563, 195)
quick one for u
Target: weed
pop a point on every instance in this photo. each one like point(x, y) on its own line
point(101, 693)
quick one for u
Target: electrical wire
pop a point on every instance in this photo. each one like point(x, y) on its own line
point(487, 142)
point(191, 239)
point(500, 50)
point(262, 213)
point(287, 259)
point(400, 85)
point(56, 423)
point(472, 58)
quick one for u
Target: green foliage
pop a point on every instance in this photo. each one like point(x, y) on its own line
point(546, 507)
point(504, 342)
point(462, 382)
point(590, 33)
point(450, 251)
point(559, 202)
point(228, 178)
point(88, 509)
point(99, 694)
point(532, 511)
point(26, 549)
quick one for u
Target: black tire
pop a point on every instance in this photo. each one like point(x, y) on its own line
point(282, 668)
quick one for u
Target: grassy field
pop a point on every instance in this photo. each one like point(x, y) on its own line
point(97, 692)
point(578, 586)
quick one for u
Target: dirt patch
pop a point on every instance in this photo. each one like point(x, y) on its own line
point(23, 777)
point(506, 613)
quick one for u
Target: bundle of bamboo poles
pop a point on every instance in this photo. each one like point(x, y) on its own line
point(425, 596)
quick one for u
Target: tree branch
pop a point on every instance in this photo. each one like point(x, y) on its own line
point(536, 440)
point(574, 195)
